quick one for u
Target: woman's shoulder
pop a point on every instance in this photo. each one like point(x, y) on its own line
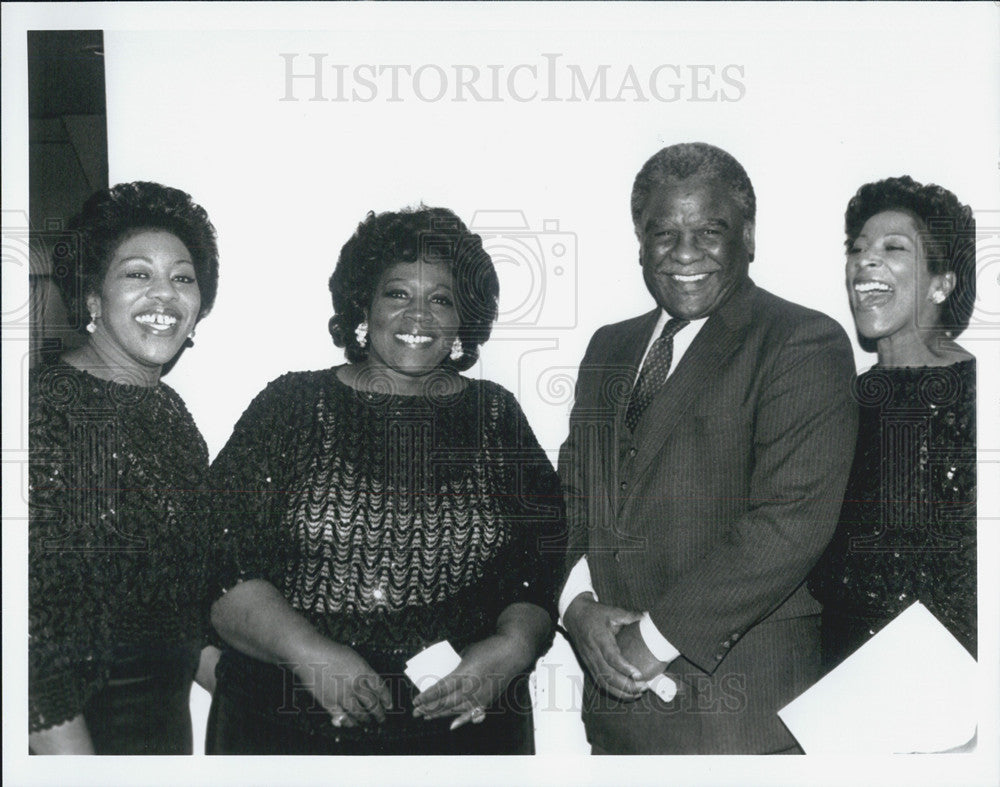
point(490, 391)
point(299, 384)
point(935, 386)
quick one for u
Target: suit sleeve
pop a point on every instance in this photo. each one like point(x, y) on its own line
point(574, 455)
point(803, 439)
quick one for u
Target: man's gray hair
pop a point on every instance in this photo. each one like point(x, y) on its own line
point(687, 159)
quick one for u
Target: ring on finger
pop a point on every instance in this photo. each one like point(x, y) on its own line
point(478, 714)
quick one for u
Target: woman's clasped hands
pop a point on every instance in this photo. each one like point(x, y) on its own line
point(477, 682)
point(346, 686)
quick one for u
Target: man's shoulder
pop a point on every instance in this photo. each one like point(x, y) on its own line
point(615, 330)
point(770, 313)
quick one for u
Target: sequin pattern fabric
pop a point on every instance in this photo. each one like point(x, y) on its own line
point(119, 545)
point(907, 529)
point(390, 522)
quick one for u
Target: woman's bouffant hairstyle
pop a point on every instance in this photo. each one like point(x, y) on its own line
point(947, 231)
point(690, 159)
point(111, 216)
point(434, 235)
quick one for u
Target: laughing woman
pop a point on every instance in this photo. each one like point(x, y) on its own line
point(907, 528)
point(381, 507)
point(118, 548)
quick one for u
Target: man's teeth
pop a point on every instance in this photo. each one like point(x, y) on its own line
point(692, 277)
point(412, 339)
point(157, 320)
point(871, 286)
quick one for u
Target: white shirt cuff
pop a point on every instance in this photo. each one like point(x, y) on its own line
point(658, 645)
point(577, 582)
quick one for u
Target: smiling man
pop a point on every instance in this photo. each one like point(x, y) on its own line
point(709, 446)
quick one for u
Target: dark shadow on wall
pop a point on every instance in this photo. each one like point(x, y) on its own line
point(67, 162)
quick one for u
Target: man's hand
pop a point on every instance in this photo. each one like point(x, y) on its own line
point(593, 628)
point(633, 649)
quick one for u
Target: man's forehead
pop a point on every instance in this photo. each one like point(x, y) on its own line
point(709, 196)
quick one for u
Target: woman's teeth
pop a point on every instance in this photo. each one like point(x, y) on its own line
point(157, 321)
point(413, 340)
point(871, 286)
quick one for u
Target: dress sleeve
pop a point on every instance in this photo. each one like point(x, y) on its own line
point(246, 479)
point(539, 545)
point(68, 625)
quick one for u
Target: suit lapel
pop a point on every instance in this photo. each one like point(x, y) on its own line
point(720, 337)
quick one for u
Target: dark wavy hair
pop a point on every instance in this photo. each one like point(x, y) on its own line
point(429, 234)
point(948, 234)
point(687, 159)
point(111, 216)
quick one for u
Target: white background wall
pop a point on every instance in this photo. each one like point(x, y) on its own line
point(832, 97)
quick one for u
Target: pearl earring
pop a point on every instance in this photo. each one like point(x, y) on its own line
point(361, 332)
point(92, 325)
point(456, 349)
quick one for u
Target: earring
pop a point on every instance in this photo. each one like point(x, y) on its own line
point(361, 332)
point(456, 349)
point(938, 296)
point(189, 341)
point(92, 325)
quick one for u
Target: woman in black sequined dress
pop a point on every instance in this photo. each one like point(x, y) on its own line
point(383, 506)
point(118, 543)
point(907, 529)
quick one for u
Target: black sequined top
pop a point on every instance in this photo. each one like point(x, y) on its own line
point(390, 522)
point(119, 546)
point(907, 529)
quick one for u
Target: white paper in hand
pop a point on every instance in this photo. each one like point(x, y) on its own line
point(431, 664)
point(910, 688)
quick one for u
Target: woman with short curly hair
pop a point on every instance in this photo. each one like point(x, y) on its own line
point(119, 549)
point(380, 508)
point(907, 528)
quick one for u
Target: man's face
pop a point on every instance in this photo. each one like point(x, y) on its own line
point(695, 246)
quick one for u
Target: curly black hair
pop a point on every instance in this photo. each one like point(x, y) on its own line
point(111, 216)
point(948, 233)
point(428, 234)
point(687, 159)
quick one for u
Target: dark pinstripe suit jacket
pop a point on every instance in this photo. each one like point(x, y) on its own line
point(712, 514)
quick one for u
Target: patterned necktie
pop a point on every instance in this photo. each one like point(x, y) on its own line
point(654, 372)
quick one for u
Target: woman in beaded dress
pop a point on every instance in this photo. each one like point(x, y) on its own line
point(907, 529)
point(377, 508)
point(118, 547)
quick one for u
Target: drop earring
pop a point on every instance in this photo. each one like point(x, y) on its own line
point(92, 325)
point(456, 349)
point(361, 332)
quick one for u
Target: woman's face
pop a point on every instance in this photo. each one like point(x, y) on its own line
point(890, 288)
point(149, 300)
point(412, 321)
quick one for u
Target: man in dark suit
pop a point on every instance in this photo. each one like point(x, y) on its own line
point(709, 447)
